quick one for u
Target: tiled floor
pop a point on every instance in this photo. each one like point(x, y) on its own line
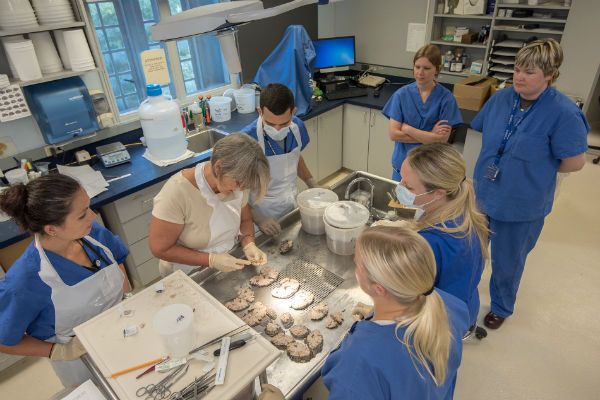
point(550, 348)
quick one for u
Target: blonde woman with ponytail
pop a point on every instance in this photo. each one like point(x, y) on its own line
point(434, 181)
point(410, 348)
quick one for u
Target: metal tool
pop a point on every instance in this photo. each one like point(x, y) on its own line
point(232, 332)
point(152, 368)
point(159, 391)
point(222, 363)
point(234, 345)
point(198, 389)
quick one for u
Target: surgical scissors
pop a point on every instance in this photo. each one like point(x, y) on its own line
point(161, 389)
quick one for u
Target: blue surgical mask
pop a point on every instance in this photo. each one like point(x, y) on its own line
point(407, 198)
point(276, 134)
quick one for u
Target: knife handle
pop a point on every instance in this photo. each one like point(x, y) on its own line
point(234, 345)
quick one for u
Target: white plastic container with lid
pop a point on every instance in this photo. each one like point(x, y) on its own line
point(175, 325)
point(312, 204)
point(220, 108)
point(161, 123)
point(245, 100)
point(344, 222)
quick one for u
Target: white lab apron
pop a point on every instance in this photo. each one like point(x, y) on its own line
point(281, 194)
point(74, 305)
point(224, 221)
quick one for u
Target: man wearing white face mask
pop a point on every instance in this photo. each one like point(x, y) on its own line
point(282, 136)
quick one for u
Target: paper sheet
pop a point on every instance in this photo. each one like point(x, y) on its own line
point(92, 181)
point(415, 39)
point(86, 391)
point(155, 67)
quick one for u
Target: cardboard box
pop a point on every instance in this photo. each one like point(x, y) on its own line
point(472, 92)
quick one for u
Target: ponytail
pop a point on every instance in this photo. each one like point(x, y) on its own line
point(402, 262)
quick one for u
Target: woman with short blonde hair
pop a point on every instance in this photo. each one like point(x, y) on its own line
point(410, 346)
point(200, 212)
point(530, 131)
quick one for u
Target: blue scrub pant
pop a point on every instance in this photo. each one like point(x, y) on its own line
point(511, 242)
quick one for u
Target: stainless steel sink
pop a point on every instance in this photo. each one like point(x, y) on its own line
point(204, 140)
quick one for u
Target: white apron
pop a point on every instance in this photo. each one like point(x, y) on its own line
point(224, 221)
point(74, 305)
point(281, 195)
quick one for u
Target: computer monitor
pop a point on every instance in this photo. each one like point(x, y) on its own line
point(334, 54)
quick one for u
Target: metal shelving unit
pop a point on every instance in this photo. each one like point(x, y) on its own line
point(456, 44)
point(41, 28)
point(52, 77)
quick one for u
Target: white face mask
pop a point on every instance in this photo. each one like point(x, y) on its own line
point(407, 198)
point(276, 134)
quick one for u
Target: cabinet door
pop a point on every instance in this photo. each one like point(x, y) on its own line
point(355, 143)
point(310, 153)
point(330, 142)
point(380, 146)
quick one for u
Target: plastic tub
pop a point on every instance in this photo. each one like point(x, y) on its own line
point(245, 100)
point(344, 222)
point(175, 325)
point(312, 204)
point(220, 108)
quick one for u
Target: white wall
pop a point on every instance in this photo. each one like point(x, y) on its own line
point(380, 27)
point(579, 71)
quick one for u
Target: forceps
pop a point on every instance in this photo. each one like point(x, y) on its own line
point(161, 389)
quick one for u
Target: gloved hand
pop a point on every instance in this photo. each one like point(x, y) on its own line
point(270, 392)
point(266, 224)
point(225, 262)
point(67, 351)
point(254, 254)
point(362, 309)
point(385, 222)
point(312, 183)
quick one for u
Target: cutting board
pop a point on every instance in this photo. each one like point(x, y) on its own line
point(102, 336)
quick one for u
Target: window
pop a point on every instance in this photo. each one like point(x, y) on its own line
point(123, 31)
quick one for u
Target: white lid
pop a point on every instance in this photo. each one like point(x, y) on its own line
point(316, 198)
point(346, 214)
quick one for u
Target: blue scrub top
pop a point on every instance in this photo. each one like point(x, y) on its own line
point(459, 265)
point(406, 106)
point(554, 129)
point(290, 140)
point(25, 300)
point(371, 363)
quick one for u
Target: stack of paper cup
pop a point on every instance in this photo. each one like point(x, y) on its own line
point(5, 40)
point(22, 55)
point(53, 11)
point(46, 52)
point(17, 14)
point(62, 49)
point(80, 56)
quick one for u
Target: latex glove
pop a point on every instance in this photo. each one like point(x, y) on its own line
point(254, 254)
point(362, 309)
point(67, 351)
point(386, 222)
point(225, 262)
point(312, 183)
point(270, 392)
point(267, 225)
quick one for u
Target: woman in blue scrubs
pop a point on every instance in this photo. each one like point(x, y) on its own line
point(530, 131)
point(71, 272)
point(423, 111)
point(434, 181)
point(410, 347)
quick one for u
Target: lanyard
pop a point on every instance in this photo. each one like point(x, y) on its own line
point(511, 127)
point(97, 263)
point(268, 141)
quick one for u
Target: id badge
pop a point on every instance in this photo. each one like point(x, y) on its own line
point(492, 172)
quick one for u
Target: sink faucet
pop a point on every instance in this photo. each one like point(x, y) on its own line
point(358, 180)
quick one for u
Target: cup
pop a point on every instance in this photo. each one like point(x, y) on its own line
point(175, 325)
point(17, 175)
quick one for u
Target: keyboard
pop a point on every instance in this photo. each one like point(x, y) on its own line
point(346, 93)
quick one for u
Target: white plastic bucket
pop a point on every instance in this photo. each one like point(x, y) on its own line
point(220, 108)
point(312, 204)
point(344, 222)
point(175, 325)
point(245, 100)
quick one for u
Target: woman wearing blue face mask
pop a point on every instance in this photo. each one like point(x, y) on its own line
point(282, 136)
point(434, 182)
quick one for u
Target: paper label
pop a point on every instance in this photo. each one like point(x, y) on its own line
point(155, 67)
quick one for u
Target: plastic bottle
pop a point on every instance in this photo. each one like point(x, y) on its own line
point(161, 123)
point(208, 118)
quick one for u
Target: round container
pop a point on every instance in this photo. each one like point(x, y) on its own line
point(312, 204)
point(161, 124)
point(220, 108)
point(344, 222)
point(17, 175)
point(175, 325)
point(245, 100)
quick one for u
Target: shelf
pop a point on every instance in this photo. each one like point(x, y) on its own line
point(52, 77)
point(504, 52)
point(41, 28)
point(505, 70)
point(457, 73)
point(547, 6)
point(463, 16)
point(503, 61)
point(456, 44)
point(507, 28)
point(515, 44)
point(531, 19)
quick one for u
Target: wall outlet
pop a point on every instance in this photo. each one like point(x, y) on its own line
point(53, 150)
